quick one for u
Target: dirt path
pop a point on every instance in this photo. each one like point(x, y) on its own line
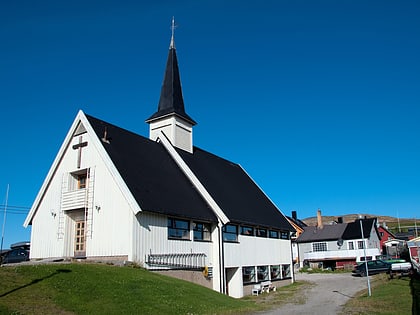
point(329, 293)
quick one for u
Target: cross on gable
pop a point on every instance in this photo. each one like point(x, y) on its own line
point(79, 147)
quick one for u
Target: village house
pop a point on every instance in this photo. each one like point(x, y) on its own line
point(338, 245)
point(160, 202)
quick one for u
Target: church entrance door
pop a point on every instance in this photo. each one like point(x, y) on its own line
point(80, 240)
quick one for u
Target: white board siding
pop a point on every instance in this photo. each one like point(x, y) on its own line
point(150, 234)
point(257, 251)
point(110, 233)
point(112, 216)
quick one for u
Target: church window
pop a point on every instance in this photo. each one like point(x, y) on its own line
point(230, 233)
point(284, 235)
point(78, 180)
point(178, 229)
point(261, 232)
point(247, 230)
point(202, 231)
point(81, 181)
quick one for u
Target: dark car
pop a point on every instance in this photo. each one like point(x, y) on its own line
point(15, 255)
point(374, 267)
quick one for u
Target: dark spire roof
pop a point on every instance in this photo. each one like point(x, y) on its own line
point(171, 100)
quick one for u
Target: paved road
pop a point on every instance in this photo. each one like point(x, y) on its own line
point(329, 293)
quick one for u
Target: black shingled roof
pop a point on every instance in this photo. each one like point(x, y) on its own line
point(234, 191)
point(155, 181)
point(326, 233)
point(353, 230)
point(158, 185)
point(171, 100)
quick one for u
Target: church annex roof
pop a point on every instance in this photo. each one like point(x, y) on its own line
point(158, 185)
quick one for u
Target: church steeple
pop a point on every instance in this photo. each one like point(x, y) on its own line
point(171, 117)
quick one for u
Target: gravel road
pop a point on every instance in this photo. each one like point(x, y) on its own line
point(329, 293)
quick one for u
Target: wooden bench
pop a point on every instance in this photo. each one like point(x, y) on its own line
point(267, 286)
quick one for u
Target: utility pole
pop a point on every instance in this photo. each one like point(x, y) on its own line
point(366, 263)
point(4, 219)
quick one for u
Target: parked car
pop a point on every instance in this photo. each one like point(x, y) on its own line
point(374, 267)
point(15, 255)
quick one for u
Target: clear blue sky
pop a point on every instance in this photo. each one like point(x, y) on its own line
point(318, 100)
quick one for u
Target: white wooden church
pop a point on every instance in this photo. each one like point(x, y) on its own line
point(160, 202)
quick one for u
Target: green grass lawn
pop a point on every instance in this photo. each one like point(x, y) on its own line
point(392, 297)
point(102, 289)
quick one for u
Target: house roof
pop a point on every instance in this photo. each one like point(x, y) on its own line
point(298, 222)
point(171, 100)
point(353, 230)
point(159, 185)
point(327, 233)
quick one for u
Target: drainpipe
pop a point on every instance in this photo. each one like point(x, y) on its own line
point(222, 276)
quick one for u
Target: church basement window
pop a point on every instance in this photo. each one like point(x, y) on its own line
point(248, 274)
point(262, 273)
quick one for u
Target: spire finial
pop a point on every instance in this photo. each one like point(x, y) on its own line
point(173, 26)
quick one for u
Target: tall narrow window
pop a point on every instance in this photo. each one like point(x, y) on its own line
point(81, 181)
point(360, 244)
point(351, 245)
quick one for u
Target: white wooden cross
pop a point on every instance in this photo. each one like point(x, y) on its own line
point(79, 147)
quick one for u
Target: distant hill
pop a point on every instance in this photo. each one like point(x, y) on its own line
point(390, 221)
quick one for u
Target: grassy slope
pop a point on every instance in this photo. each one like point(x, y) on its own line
point(103, 289)
point(392, 297)
point(99, 289)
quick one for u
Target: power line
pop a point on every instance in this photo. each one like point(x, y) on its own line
point(15, 207)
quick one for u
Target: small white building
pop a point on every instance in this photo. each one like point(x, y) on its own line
point(161, 202)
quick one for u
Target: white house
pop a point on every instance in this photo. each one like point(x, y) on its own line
point(161, 202)
point(339, 245)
